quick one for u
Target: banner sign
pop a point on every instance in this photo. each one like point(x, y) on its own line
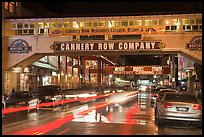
point(108, 31)
point(138, 70)
point(106, 45)
point(19, 46)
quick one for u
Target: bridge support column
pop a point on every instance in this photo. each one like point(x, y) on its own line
point(189, 82)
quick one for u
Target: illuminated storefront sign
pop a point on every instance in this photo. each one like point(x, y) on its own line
point(106, 31)
point(19, 46)
point(195, 44)
point(139, 45)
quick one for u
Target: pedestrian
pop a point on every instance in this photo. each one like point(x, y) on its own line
point(13, 90)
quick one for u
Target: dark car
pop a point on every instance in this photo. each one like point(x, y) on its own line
point(178, 107)
point(50, 93)
point(22, 98)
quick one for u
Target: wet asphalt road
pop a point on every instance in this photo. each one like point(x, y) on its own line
point(136, 117)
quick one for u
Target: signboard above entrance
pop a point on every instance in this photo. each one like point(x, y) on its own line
point(106, 45)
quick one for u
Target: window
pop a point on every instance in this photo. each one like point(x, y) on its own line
point(148, 22)
point(161, 22)
point(91, 64)
point(154, 22)
point(195, 28)
point(26, 25)
point(185, 21)
point(199, 21)
point(167, 28)
point(66, 24)
point(13, 26)
point(138, 23)
point(20, 25)
point(131, 23)
point(192, 21)
point(75, 24)
point(94, 77)
point(175, 21)
point(101, 23)
point(6, 5)
point(173, 27)
point(111, 23)
point(82, 24)
point(32, 25)
point(11, 7)
point(88, 24)
point(118, 23)
point(124, 23)
point(95, 24)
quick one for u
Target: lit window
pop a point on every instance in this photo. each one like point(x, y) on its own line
point(75, 24)
point(185, 21)
point(175, 21)
point(82, 24)
point(88, 24)
point(6, 5)
point(11, 7)
point(138, 23)
point(40, 25)
point(148, 22)
point(91, 64)
point(101, 23)
point(111, 23)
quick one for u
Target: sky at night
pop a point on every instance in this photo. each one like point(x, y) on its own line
point(60, 9)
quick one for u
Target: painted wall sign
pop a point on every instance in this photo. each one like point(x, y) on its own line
point(195, 44)
point(19, 46)
point(87, 46)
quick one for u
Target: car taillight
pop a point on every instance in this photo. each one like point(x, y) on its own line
point(166, 105)
point(197, 107)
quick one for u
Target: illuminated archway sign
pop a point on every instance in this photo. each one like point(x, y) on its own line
point(106, 45)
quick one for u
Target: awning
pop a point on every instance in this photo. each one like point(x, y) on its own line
point(43, 65)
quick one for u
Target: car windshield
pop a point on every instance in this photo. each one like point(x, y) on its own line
point(48, 90)
point(181, 98)
point(20, 95)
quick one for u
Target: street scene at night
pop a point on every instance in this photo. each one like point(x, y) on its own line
point(73, 68)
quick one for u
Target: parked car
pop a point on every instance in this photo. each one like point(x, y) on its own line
point(22, 98)
point(181, 107)
point(50, 93)
point(156, 97)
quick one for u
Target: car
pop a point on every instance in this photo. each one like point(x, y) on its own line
point(156, 97)
point(118, 100)
point(178, 107)
point(50, 93)
point(22, 98)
